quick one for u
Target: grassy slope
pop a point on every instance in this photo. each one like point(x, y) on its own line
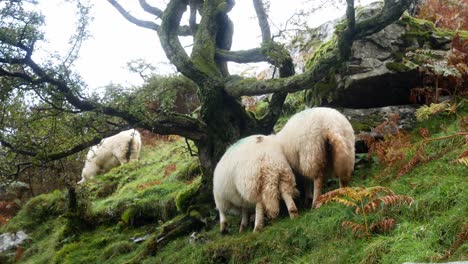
point(133, 200)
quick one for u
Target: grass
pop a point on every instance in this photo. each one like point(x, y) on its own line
point(135, 199)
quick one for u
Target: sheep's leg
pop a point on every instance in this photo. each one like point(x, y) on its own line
point(259, 215)
point(292, 209)
point(318, 182)
point(121, 158)
point(222, 222)
point(308, 183)
point(245, 220)
point(288, 191)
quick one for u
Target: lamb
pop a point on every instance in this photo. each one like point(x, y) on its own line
point(319, 143)
point(253, 173)
point(111, 152)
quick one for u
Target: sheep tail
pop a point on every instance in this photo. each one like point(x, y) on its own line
point(269, 192)
point(342, 158)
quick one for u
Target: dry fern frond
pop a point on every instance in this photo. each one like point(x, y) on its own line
point(424, 132)
point(462, 159)
point(388, 200)
point(383, 225)
point(396, 199)
point(328, 197)
point(462, 237)
point(344, 201)
point(356, 228)
point(372, 206)
point(372, 191)
point(419, 157)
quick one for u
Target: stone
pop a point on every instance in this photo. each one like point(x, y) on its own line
point(383, 67)
point(12, 240)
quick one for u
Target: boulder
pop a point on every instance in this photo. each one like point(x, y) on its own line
point(364, 120)
point(383, 67)
point(12, 240)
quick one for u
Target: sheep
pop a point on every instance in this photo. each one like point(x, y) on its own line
point(253, 173)
point(111, 152)
point(318, 143)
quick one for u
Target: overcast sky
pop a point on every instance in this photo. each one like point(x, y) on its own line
point(115, 41)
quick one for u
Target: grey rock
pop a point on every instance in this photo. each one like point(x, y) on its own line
point(381, 70)
point(12, 240)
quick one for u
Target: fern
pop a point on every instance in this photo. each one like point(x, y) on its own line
point(383, 225)
point(356, 228)
point(424, 112)
point(463, 158)
point(366, 201)
point(422, 157)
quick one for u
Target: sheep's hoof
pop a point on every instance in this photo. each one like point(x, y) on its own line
point(316, 205)
point(293, 214)
point(223, 228)
point(257, 229)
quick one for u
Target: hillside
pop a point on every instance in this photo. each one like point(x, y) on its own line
point(123, 211)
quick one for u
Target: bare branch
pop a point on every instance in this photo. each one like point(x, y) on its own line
point(132, 19)
point(242, 56)
point(391, 11)
point(151, 9)
point(262, 20)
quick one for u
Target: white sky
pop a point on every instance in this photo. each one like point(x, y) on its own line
point(115, 41)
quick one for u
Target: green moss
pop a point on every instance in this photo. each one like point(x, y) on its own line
point(39, 209)
point(321, 91)
point(188, 171)
point(116, 249)
point(397, 66)
point(261, 108)
point(184, 197)
point(324, 49)
point(425, 32)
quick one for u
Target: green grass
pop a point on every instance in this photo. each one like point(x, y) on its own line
point(135, 199)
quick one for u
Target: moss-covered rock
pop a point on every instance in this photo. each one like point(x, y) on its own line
point(185, 196)
point(383, 67)
point(38, 210)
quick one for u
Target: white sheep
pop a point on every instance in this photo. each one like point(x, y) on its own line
point(111, 152)
point(253, 173)
point(319, 143)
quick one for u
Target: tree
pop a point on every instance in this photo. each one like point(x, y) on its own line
point(223, 119)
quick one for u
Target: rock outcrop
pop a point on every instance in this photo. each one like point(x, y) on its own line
point(383, 67)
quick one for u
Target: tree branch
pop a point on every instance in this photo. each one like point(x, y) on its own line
point(262, 20)
point(242, 56)
point(151, 9)
point(391, 12)
point(132, 19)
point(170, 123)
point(172, 46)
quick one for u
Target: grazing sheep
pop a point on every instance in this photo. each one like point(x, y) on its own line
point(111, 152)
point(318, 143)
point(253, 173)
